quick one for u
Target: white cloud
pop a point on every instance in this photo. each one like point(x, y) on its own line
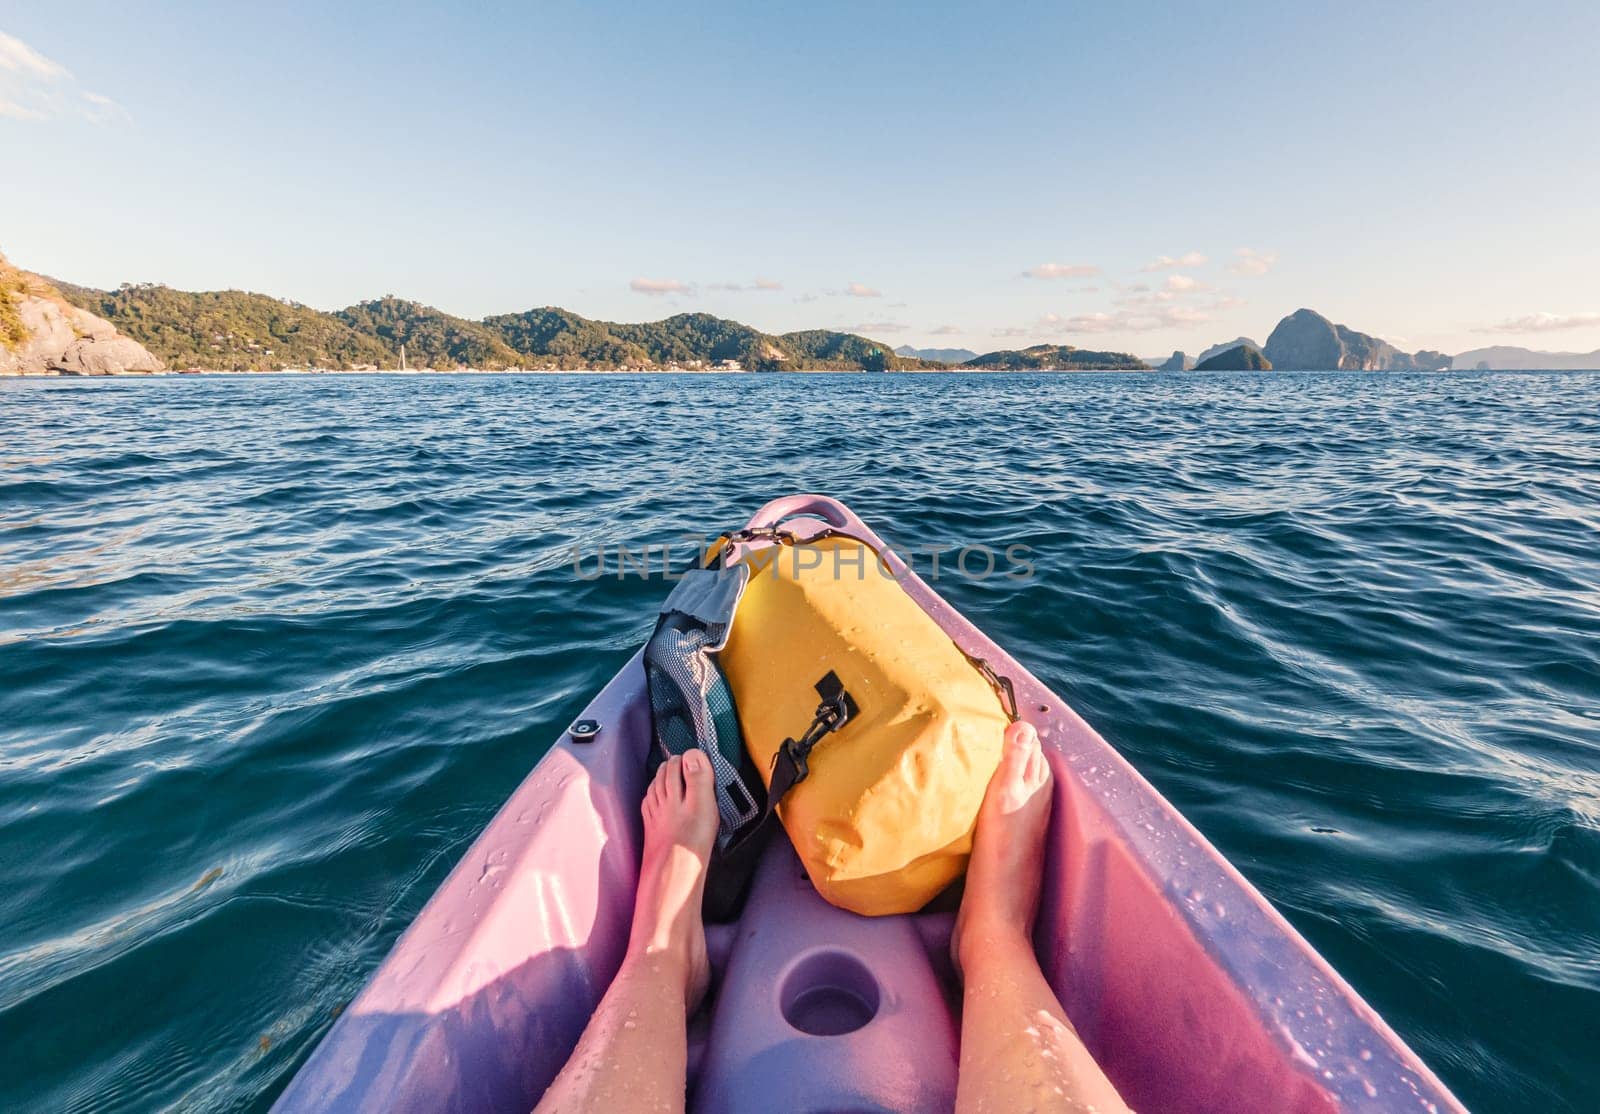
point(946, 331)
point(18, 57)
point(14, 111)
point(861, 290)
point(755, 286)
point(1175, 288)
point(1167, 262)
point(1250, 262)
point(1542, 323)
point(1061, 271)
point(657, 287)
point(1131, 319)
point(870, 327)
point(33, 87)
point(1012, 331)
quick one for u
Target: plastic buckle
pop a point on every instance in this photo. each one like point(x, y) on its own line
point(837, 707)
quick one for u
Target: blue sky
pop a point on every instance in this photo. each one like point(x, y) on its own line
point(977, 175)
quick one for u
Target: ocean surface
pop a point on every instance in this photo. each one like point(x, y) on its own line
point(274, 649)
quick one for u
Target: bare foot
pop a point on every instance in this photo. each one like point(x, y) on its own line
point(1003, 875)
point(680, 827)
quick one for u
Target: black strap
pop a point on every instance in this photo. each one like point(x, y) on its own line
point(791, 765)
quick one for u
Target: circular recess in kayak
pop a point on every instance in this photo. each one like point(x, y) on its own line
point(829, 993)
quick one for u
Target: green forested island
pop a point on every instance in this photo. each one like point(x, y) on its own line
point(1057, 357)
point(1241, 357)
point(49, 327)
point(233, 330)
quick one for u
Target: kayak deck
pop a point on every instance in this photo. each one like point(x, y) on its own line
point(1190, 990)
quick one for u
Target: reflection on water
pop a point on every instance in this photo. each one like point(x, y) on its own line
point(275, 649)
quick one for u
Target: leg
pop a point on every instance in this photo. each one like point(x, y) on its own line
point(634, 1053)
point(1018, 1050)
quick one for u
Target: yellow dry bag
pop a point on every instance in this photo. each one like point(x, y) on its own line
point(876, 734)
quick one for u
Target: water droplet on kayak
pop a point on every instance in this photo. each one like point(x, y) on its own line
point(1221, 910)
point(630, 1024)
point(1366, 1085)
point(1366, 1053)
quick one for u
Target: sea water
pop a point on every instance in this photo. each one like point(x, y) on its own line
point(274, 649)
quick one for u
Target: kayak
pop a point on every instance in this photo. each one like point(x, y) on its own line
point(1190, 989)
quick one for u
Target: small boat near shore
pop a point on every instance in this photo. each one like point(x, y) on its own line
point(1190, 989)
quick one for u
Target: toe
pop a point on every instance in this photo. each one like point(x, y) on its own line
point(1038, 768)
point(696, 775)
point(1022, 734)
point(1014, 755)
point(672, 779)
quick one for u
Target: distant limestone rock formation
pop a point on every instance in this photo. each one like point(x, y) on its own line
point(1506, 357)
point(1217, 349)
point(1178, 361)
point(939, 355)
point(1308, 341)
point(41, 333)
point(1241, 357)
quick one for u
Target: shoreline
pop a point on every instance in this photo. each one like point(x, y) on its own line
point(709, 373)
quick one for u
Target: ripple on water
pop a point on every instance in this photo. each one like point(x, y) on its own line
point(276, 649)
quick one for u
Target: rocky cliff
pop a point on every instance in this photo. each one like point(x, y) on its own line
point(1178, 361)
point(41, 333)
point(1218, 349)
point(1241, 357)
point(1429, 360)
point(1308, 341)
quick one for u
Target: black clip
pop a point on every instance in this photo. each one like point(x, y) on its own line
point(837, 707)
point(1002, 686)
point(789, 764)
